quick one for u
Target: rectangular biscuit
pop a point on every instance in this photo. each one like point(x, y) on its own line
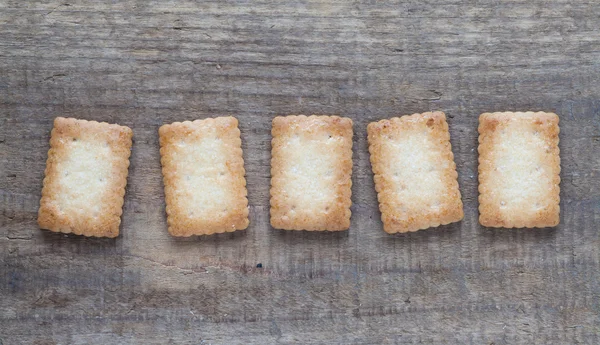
point(203, 173)
point(86, 174)
point(414, 171)
point(519, 167)
point(311, 169)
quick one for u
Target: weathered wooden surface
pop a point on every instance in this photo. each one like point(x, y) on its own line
point(144, 63)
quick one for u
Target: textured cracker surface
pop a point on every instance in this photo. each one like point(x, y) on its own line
point(86, 174)
point(203, 171)
point(311, 169)
point(519, 170)
point(414, 171)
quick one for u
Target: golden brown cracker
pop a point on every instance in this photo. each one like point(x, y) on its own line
point(414, 171)
point(86, 174)
point(203, 171)
point(311, 170)
point(519, 170)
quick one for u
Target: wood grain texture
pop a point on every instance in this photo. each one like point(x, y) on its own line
point(145, 63)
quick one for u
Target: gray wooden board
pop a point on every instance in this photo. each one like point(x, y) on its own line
point(144, 63)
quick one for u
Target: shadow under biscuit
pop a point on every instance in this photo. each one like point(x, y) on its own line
point(304, 236)
point(525, 235)
point(234, 236)
point(440, 231)
point(57, 239)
